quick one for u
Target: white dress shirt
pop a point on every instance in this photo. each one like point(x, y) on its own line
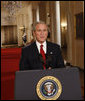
point(44, 46)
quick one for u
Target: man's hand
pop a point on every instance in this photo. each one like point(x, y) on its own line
point(49, 68)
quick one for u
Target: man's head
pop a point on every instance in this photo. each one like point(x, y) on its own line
point(40, 31)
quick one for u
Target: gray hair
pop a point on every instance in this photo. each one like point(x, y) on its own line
point(39, 22)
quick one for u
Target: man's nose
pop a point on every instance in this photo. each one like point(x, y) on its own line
point(42, 31)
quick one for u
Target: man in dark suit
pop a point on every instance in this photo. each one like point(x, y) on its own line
point(34, 56)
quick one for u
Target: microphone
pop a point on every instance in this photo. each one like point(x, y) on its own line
point(41, 58)
point(48, 60)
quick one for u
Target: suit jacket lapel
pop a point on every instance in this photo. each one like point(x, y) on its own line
point(48, 48)
point(36, 53)
point(35, 49)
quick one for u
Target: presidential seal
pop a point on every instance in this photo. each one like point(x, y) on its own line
point(49, 88)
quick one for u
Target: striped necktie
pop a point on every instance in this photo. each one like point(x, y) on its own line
point(43, 56)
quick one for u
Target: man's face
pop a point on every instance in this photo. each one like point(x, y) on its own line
point(41, 33)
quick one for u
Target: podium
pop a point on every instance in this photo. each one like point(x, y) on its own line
point(28, 83)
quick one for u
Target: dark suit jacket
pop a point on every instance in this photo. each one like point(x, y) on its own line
point(31, 59)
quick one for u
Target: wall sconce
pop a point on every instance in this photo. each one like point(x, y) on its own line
point(48, 19)
point(64, 26)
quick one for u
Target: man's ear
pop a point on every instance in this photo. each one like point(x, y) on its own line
point(48, 34)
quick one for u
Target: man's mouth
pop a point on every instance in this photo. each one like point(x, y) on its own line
point(42, 37)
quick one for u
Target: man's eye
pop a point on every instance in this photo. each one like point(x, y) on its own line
point(44, 30)
point(41, 30)
point(38, 30)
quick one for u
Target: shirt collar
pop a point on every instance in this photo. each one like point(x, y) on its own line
point(44, 46)
point(44, 43)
